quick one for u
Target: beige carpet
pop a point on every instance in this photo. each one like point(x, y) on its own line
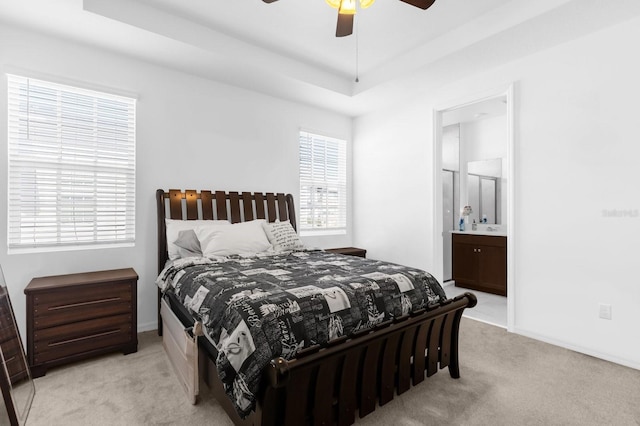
point(506, 380)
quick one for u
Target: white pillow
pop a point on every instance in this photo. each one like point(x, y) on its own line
point(282, 236)
point(175, 227)
point(244, 238)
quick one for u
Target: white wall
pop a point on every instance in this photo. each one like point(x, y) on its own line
point(576, 156)
point(191, 134)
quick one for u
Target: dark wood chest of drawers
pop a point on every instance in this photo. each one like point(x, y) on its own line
point(71, 317)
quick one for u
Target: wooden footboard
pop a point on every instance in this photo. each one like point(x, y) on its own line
point(329, 386)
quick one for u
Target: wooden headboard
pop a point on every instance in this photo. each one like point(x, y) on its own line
point(219, 205)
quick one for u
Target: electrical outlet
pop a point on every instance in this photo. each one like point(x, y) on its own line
point(605, 311)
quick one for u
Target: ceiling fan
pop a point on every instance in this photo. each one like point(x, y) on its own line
point(347, 11)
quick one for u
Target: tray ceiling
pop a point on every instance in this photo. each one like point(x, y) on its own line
point(288, 48)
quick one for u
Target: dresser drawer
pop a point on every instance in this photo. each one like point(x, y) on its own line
point(72, 339)
point(57, 308)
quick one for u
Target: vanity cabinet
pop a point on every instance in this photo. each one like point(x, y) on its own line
point(480, 262)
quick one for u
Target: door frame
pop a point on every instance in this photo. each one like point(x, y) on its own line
point(507, 91)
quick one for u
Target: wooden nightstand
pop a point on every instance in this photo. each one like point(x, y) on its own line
point(349, 251)
point(76, 316)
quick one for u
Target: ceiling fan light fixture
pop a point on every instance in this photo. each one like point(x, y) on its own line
point(347, 11)
point(348, 7)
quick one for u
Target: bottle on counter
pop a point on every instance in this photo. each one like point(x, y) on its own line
point(461, 225)
point(474, 225)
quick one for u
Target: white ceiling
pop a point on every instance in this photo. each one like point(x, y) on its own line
point(288, 48)
point(305, 29)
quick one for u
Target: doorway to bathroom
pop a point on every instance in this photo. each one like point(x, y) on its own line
point(473, 153)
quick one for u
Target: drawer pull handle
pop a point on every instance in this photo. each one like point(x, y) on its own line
point(79, 339)
point(92, 302)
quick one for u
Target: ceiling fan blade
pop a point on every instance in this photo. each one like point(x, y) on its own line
point(345, 25)
point(422, 4)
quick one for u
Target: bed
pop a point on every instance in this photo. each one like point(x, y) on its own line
point(329, 383)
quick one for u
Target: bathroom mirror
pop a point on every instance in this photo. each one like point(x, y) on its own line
point(17, 385)
point(484, 190)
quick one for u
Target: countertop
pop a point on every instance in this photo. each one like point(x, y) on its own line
point(482, 232)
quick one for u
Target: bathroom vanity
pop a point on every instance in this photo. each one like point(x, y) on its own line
point(480, 261)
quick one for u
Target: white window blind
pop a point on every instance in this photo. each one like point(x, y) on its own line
point(323, 183)
point(71, 166)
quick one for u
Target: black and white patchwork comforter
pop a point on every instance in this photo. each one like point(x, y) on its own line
point(259, 308)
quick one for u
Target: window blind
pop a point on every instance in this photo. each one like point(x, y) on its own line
point(71, 165)
point(323, 183)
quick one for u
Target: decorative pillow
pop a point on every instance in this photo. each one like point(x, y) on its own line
point(282, 236)
point(174, 227)
point(188, 244)
point(245, 238)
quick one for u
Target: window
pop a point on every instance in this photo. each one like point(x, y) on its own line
point(323, 184)
point(71, 166)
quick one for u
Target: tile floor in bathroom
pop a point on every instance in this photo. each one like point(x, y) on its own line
point(491, 308)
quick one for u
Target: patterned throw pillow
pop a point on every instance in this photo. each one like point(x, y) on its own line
point(282, 236)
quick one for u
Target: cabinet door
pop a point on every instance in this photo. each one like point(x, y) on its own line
point(465, 263)
point(492, 269)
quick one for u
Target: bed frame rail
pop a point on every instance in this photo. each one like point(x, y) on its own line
point(329, 386)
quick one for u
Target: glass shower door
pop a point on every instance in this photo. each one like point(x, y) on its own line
point(448, 220)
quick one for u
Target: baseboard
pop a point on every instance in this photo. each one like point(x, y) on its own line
point(580, 349)
point(148, 326)
point(469, 316)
